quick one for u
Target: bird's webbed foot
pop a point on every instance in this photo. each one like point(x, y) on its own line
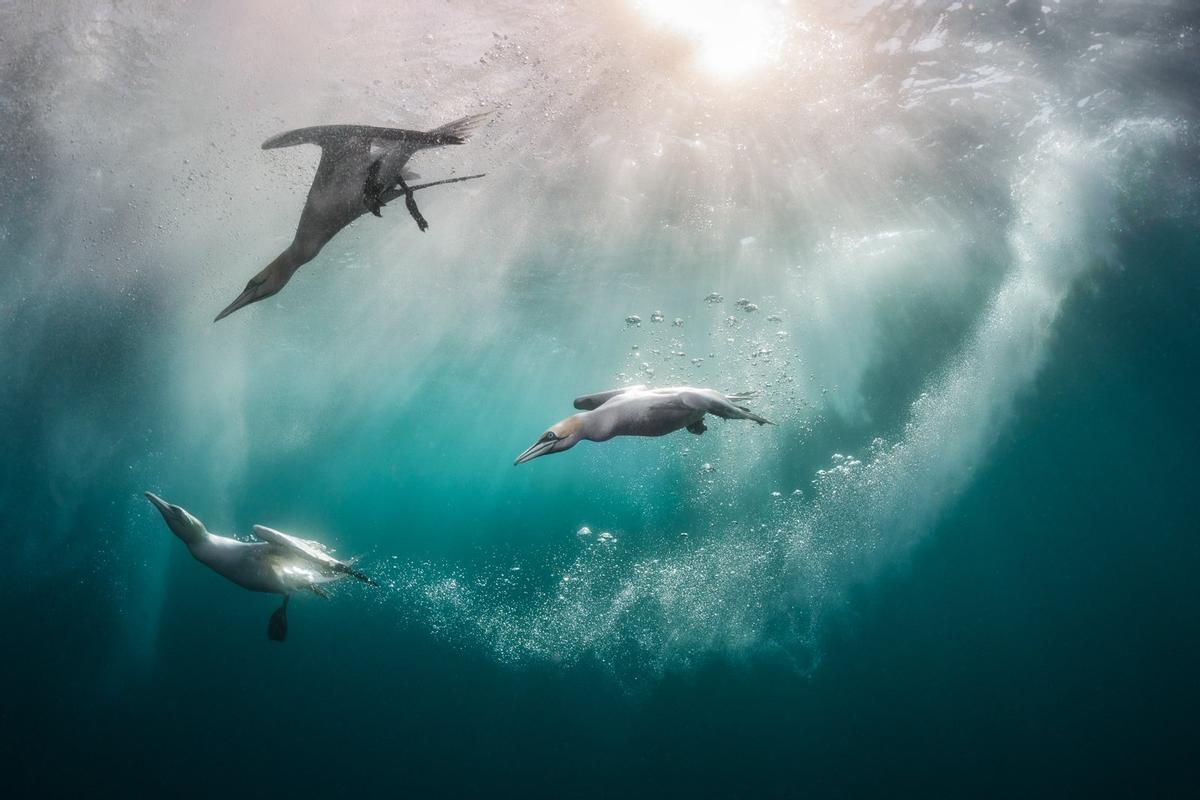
point(277, 626)
point(411, 204)
point(698, 427)
point(373, 189)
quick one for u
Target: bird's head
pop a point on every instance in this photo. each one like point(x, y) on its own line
point(179, 520)
point(561, 436)
point(261, 286)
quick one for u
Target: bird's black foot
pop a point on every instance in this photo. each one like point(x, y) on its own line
point(698, 427)
point(411, 204)
point(277, 627)
point(373, 189)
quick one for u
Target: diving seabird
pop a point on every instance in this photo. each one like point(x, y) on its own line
point(277, 563)
point(638, 411)
point(361, 169)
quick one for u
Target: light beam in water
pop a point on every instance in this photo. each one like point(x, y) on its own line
point(731, 40)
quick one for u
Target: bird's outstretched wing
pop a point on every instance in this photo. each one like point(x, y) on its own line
point(590, 402)
point(456, 132)
point(341, 135)
point(344, 146)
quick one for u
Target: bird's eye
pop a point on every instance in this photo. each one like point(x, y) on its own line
point(550, 436)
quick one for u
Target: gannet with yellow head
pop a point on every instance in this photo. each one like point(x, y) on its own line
point(639, 411)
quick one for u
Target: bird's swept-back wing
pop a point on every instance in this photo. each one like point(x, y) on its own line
point(308, 549)
point(590, 402)
point(314, 552)
point(717, 404)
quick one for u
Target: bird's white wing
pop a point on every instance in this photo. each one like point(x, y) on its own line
point(590, 402)
point(306, 548)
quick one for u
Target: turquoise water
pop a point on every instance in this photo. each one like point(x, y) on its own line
point(961, 564)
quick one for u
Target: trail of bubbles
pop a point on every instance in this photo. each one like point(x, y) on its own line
point(742, 587)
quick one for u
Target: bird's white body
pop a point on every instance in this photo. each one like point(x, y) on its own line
point(638, 411)
point(258, 566)
point(278, 563)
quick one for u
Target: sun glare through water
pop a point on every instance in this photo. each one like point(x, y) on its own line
point(731, 40)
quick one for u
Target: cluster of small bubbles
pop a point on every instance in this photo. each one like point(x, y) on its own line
point(697, 362)
point(677, 322)
point(831, 481)
point(746, 305)
point(583, 532)
point(707, 467)
point(657, 316)
point(606, 538)
point(776, 494)
point(774, 318)
point(761, 352)
point(633, 319)
point(714, 298)
point(781, 335)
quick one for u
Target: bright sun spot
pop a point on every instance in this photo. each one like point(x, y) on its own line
point(732, 37)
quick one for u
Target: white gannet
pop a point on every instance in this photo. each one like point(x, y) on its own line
point(638, 411)
point(277, 564)
point(361, 169)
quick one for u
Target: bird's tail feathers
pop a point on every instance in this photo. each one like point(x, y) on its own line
point(459, 130)
point(353, 573)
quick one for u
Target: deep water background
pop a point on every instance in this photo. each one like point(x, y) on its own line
point(962, 564)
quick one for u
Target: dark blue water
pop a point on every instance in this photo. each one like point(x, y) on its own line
point(961, 564)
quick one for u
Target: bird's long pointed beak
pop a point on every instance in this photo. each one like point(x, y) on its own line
point(162, 505)
point(248, 296)
point(535, 450)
